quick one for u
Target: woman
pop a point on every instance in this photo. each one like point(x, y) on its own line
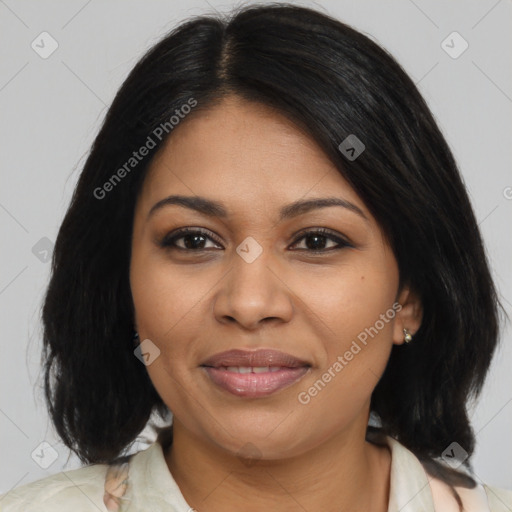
point(264, 242)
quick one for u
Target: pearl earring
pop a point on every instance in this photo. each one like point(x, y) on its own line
point(407, 336)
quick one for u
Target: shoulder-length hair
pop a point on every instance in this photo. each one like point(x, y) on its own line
point(332, 81)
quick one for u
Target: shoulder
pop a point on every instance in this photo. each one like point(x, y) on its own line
point(478, 499)
point(481, 498)
point(500, 500)
point(79, 489)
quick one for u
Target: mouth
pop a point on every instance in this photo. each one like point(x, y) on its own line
point(254, 374)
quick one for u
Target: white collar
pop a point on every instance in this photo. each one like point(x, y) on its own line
point(409, 484)
point(152, 486)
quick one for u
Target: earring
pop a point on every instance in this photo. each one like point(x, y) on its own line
point(136, 340)
point(407, 336)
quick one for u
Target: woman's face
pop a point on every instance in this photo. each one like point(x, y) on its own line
point(251, 279)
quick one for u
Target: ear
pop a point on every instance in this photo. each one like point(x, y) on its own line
point(409, 316)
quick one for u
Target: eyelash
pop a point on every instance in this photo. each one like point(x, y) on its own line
point(168, 242)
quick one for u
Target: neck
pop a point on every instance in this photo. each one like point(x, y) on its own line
point(346, 470)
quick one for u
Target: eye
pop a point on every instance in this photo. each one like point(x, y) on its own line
point(194, 239)
point(317, 240)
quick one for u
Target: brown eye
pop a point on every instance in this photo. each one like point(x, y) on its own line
point(196, 240)
point(193, 240)
point(316, 241)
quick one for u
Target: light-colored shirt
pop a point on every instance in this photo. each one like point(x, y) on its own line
point(145, 484)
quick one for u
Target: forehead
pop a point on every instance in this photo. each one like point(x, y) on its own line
point(245, 154)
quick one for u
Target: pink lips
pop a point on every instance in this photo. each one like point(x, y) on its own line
point(265, 371)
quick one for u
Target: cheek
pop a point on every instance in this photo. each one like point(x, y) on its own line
point(168, 312)
point(163, 296)
point(165, 306)
point(353, 298)
point(358, 306)
point(357, 346)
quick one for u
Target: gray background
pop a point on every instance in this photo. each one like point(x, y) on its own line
point(51, 109)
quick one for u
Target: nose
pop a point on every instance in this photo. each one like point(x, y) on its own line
point(253, 292)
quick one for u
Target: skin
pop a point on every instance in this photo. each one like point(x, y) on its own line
point(192, 305)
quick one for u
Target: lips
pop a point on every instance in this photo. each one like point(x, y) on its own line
point(254, 359)
point(254, 374)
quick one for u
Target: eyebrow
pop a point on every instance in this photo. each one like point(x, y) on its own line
point(212, 208)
